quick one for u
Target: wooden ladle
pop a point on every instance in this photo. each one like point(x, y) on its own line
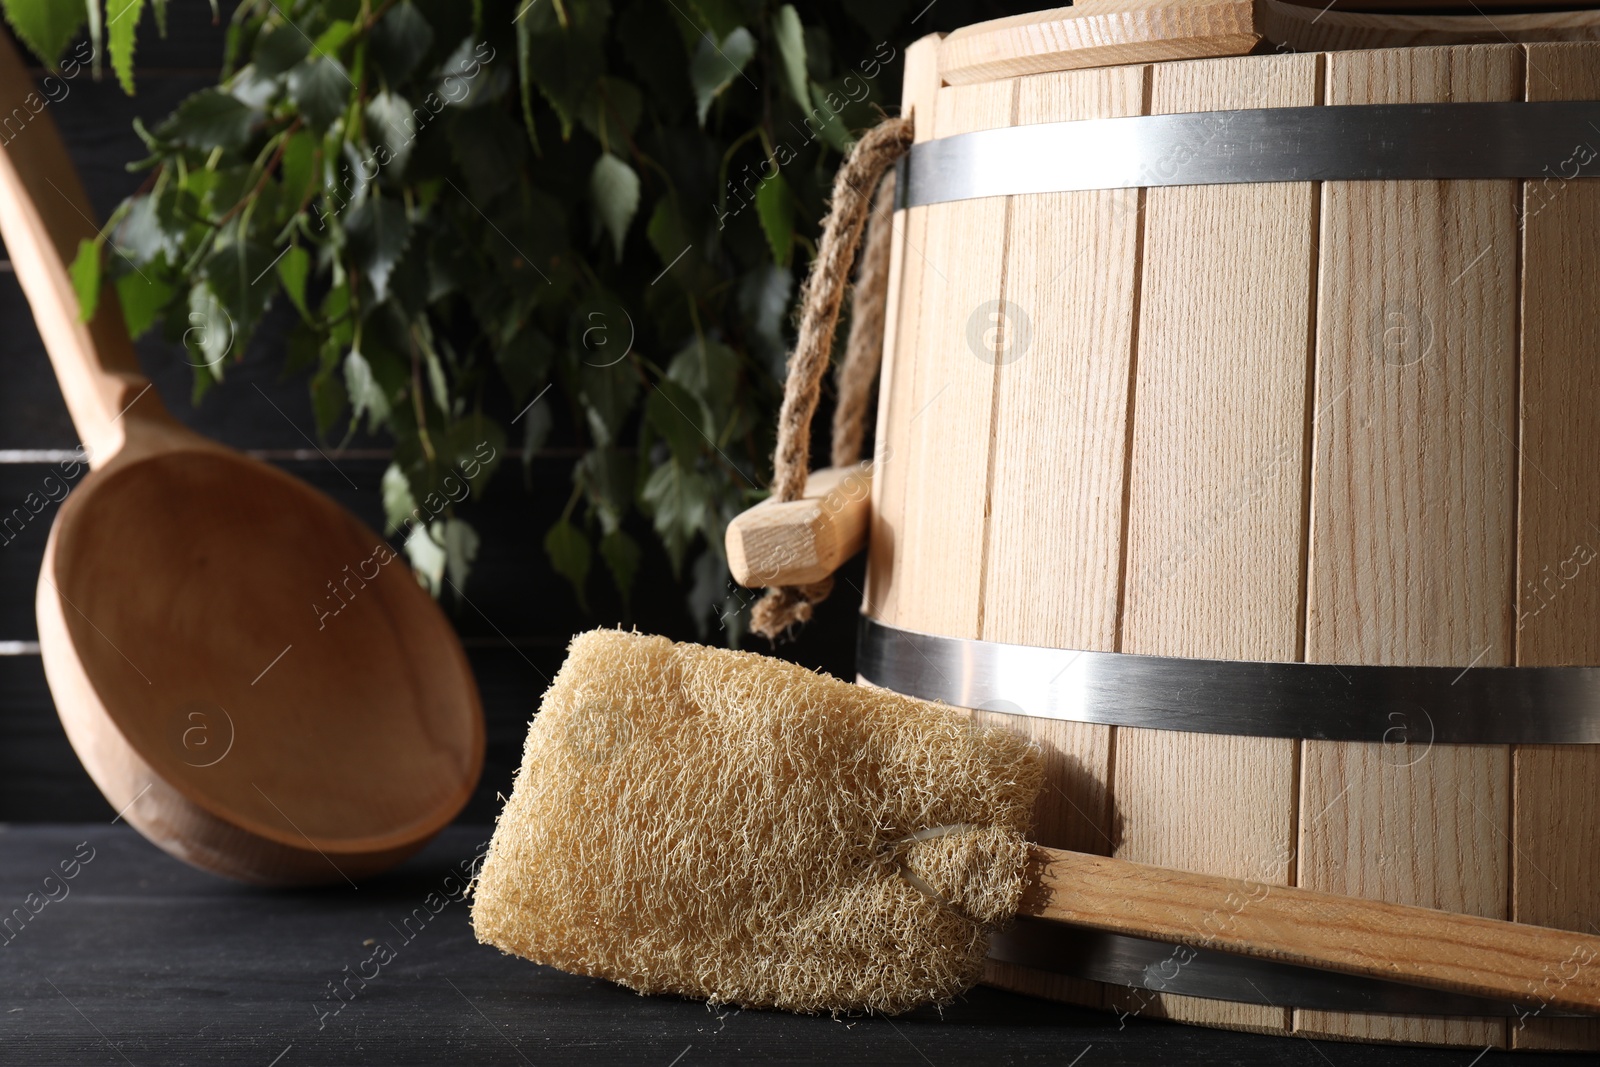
point(186, 608)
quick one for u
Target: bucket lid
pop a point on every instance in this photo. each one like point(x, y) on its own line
point(1103, 33)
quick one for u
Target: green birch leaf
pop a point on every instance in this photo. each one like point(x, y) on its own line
point(775, 208)
point(298, 170)
point(97, 33)
point(715, 65)
point(85, 271)
point(333, 38)
point(392, 127)
point(46, 26)
point(608, 394)
point(210, 119)
point(399, 41)
point(378, 231)
point(708, 593)
point(614, 189)
point(525, 77)
point(328, 399)
point(293, 269)
point(722, 17)
point(320, 88)
point(142, 236)
point(570, 555)
point(475, 445)
point(524, 362)
point(460, 550)
point(827, 113)
point(488, 148)
point(210, 333)
point(436, 379)
point(622, 556)
point(366, 395)
point(398, 502)
point(143, 300)
point(674, 413)
point(678, 499)
point(277, 49)
point(607, 478)
point(238, 272)
point(565, 58)
point(122, 18)
point(613, 113)
point(427, 556)
point(709, 371)
point(790, 38)
point(536, 425)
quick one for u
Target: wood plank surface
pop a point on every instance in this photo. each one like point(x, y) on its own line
point(938, 559)
point(1216, 498)
point(1556, 794)
point(1313, 27)
point(169, 966)
point(1413, 512)
point(1056, 491)
point(1098, 33)
point(908, 265)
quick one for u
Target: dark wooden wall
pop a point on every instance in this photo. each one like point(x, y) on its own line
point(519, 615)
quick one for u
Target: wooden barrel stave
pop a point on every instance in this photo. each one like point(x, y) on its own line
point(897, 373)
point(1215, 507)
point(1052, 571)
point(1556, 792)
point(1009, 488)
point(1413, 510)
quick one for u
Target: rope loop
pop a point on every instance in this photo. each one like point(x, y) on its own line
point(867, 168)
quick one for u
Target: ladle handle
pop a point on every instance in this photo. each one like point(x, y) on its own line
point(1533, 965)
point(44, 213)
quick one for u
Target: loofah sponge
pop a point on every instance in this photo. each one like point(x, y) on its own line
point(728, 826)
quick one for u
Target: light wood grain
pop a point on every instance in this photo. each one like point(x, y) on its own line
point(1376, 939)
point(178, 608)
point(42, 213)
point(941, 555)
point(1556, 793)
point(1056, 492)
point(1100, 33)
point(1408, 7)
point(1310, 28)
point(1216, 495)
point(897, 376)
point(1413, 512)
point(797, 542)
point(1097, 33)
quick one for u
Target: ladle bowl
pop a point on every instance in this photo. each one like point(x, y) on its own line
point(253, 678)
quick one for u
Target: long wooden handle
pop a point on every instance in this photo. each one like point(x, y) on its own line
point(802, 541)
point(44, 213)
point(1532, 965)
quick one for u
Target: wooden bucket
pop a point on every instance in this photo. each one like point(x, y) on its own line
point(1348, 422)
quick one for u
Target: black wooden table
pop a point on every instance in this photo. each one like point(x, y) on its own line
point(140, 960)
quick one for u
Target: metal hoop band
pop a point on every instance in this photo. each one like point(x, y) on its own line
point(1411, 706)
point(1352, 142)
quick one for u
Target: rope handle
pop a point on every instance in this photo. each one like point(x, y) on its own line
point(868, 167)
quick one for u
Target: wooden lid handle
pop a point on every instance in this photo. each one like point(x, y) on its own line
point(44, 213)
point(1469, 954)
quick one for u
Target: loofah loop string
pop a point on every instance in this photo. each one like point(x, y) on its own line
point(868, 164)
